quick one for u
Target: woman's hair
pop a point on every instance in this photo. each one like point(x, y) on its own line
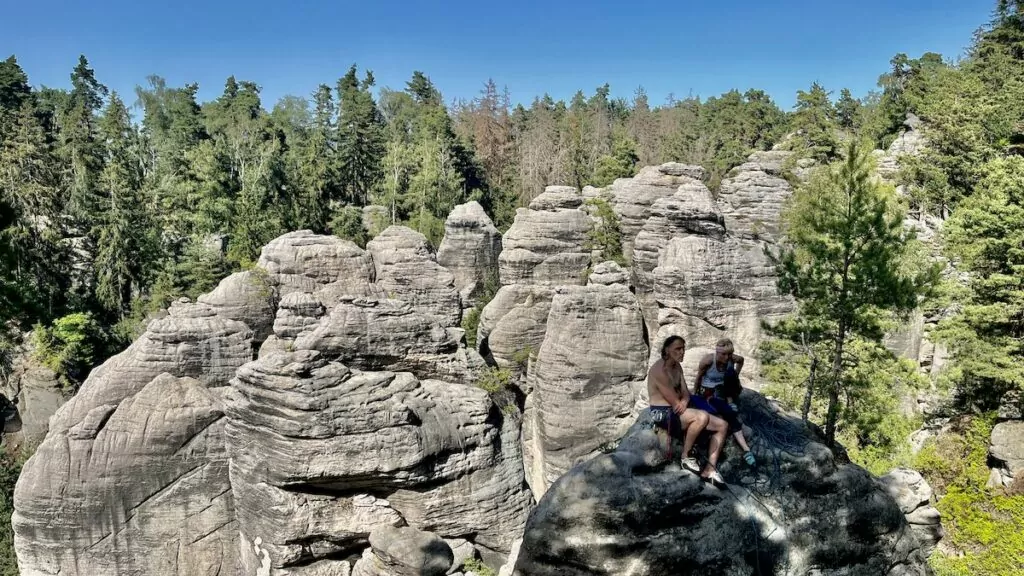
point(668, 342)
point(725, 345)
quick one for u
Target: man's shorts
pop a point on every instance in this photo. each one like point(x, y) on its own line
point(666, 419)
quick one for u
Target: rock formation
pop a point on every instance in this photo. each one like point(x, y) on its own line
point(545, 245)
point(588, 377)
point(630, 511)
point(915, 498)
point(470, 251)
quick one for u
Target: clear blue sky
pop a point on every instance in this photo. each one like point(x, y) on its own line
point(681, 47)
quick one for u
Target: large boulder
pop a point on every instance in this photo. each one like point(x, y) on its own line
point(546, 243)
point(342, 454)
point(302, 261)
point(1007, 449)
point(247, 297)
point(915, 498)
point(390, 334)
point(406, 270)
point(470, 251)
point(143, 489)
point(632, 198)
point(35, 394)
point(404, 552)
point(631, 511)
point(587, 379)
point(513, 323)
point(753, 196)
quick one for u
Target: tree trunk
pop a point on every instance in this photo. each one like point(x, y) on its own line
point(834, 387)
point(809, 393)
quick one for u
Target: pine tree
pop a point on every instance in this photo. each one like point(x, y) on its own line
point(844, 261)
point(124, 233)
point(847, 110)
point(814, 122)
point(80, 143)
point(360, 137)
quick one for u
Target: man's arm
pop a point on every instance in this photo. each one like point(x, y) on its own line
point(664, 386)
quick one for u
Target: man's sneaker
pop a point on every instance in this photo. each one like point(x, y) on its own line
point(716, 479)
point(691, 465)
point(749, 457)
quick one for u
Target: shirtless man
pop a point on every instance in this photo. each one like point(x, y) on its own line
point(669, 400)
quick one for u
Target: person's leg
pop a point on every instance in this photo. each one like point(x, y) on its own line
point(741, 440)
point(694, 421)
point(721, 429)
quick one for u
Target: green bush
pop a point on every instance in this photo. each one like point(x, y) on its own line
point(984, 526)
point(69, 347)
point(494, 380)
point(478, 567)
point(347, 223)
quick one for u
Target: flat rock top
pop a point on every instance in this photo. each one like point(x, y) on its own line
point(556, 197)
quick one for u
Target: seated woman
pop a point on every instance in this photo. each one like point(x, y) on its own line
point(713, 374)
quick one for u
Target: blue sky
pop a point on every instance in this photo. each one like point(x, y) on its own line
point(679, 47)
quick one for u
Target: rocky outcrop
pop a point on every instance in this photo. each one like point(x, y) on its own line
point(406, 270)
point(546, 243)
point(513, 323)
point(404, 552)
point(910, 141)
point(246, 297)
point(586, 380)
point(34, 394)
point(306, 262)
point(301, 428)
point(470, 251)
point(752, 197)
point(1007, 450)
point(915, 498)
point(632, 512)
point(632, 198)
point(143, 488)
point(389, 334)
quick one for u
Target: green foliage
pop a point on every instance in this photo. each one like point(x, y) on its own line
point(471, 320)
point(69, 347)
point(843, 261)
point(10, 468)
point(985, 236)
point(605, 235)
point(478, 567)
point(621, 163)
point(521, 358)
point(985, 527)
point(494, 380)
point(347, 223)
point(814, 124)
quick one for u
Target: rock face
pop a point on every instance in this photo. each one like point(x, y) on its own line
point(545, 245)
point(406, 270)
point(587, 378)
point(143, 488)
point(513, 323)
point(1007, 449)
point(34, 393)
point(910, 141)
point(301, 428)
point(914, 496)
point(306, 262)
point(405, 552)
point(470, 251)
point(632, 198)
point(753, 196)
point(631, 512)
point(247, 297)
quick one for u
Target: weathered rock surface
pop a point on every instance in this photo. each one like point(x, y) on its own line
point(545, 244)
point(301, 429)
point(299, 312)
point(753, 196)
point(630, 512)
point(34, 394)
point(404, 552)
point(707, 288)
point(306, 262)
point(632, 198)
point(910, 141)
point(389, 334)
point(247, 297)
point(914, 496)
point(586, 378)
point(513, 323)
point(1007, 449)
point(470, 251)
point(406, 270)
point(143, 489)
